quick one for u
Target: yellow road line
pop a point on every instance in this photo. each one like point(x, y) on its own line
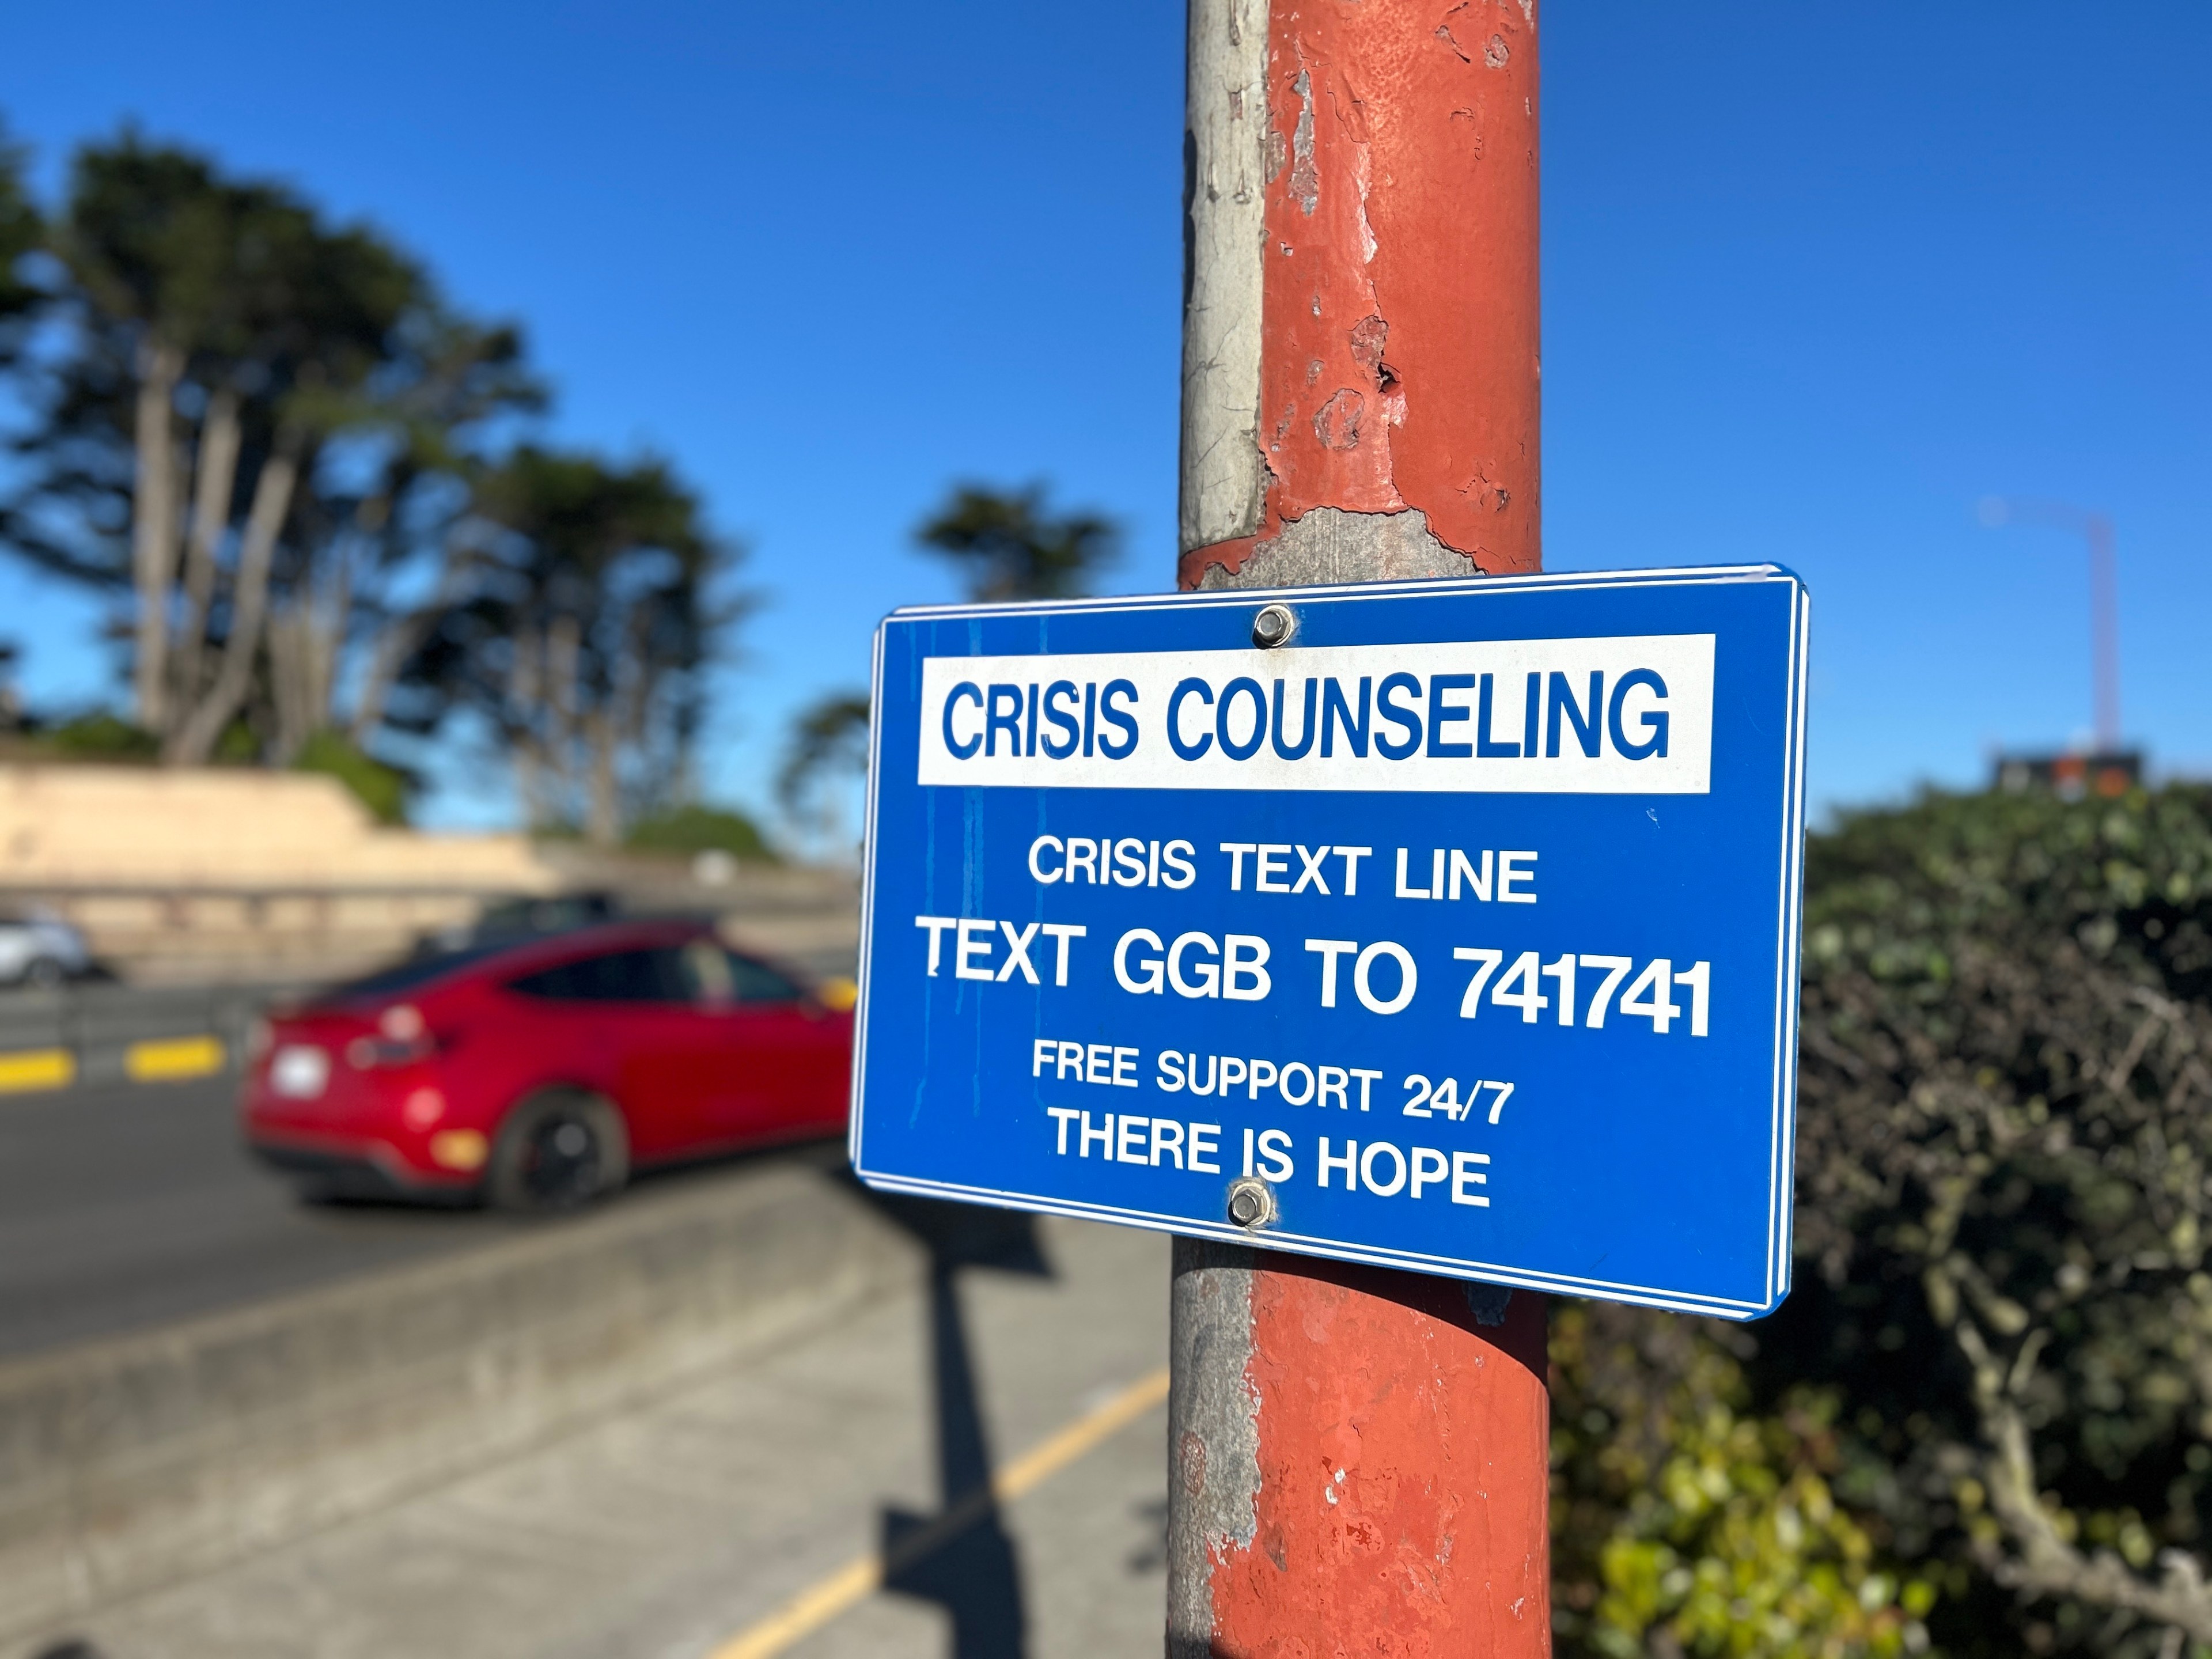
point(853, 1583)
point(167, 1059)
point(36, 1068)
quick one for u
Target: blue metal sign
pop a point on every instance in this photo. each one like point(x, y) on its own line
point(1457, 931)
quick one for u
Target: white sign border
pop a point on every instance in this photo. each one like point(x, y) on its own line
point(1782, 1167)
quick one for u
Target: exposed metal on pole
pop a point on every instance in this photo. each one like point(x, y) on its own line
point(1357, 1458)
point(1224, 158)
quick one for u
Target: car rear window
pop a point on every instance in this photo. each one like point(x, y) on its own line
point(698, 972)
point(653, 975)
point(414, 971)
point(756, 982)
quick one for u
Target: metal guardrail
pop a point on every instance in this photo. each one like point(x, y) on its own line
point(94, 1033)
point(183, 892)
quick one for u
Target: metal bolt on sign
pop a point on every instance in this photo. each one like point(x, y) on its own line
point(1251, 1202)
point(1273, 626)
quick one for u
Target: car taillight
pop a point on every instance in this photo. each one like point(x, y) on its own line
point(298, 1071)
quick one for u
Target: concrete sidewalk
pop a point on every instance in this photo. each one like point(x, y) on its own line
point(671, 1528)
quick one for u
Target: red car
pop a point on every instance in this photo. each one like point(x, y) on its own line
point(537, 1075)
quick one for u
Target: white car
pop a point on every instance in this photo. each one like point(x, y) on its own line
point(39, 948)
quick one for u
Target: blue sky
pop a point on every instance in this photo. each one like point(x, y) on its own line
point(1815, 281)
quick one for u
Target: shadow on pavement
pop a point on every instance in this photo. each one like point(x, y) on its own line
point(960, 1558)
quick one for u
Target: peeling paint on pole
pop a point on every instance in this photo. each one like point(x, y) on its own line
point(1396, 282)
point(1358, 1459)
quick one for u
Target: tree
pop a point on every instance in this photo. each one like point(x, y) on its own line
point(2004, 1166)
point(243, 434)
point(382, 538)
point(581, 623)
point(1008, 546)
point(1999, 1351)
point(21, 232)
point(828, 746)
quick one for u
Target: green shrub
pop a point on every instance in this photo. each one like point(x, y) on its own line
point(1686, 1521)
point(697, 829)
point(383, 790)
point(101, 737)
point(1997, 1360)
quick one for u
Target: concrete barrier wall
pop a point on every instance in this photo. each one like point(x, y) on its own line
point(130, 1463)
point(65, 826)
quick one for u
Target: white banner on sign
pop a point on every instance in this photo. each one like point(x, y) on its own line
point(1627, 715)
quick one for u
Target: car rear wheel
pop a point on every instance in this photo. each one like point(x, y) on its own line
point(557, 1150)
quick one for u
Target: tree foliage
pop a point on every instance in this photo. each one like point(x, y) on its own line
point(21, 232)
point(252, 430)
point(292, 465)
point(828, 746)
point(2002, 1329)
point(580, 629)
point(1008, 546)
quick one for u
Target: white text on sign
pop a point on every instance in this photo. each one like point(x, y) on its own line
point(1381, 1169)
point(1576, 716)
point(1582, 989)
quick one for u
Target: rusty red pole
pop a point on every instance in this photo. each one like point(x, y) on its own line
point(1358, 1459)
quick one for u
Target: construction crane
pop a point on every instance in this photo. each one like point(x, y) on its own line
point(2096, 530)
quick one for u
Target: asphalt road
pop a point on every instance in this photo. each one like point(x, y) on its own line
point(128, 1204)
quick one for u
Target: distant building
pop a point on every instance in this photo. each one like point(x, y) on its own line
point(2071, 777)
